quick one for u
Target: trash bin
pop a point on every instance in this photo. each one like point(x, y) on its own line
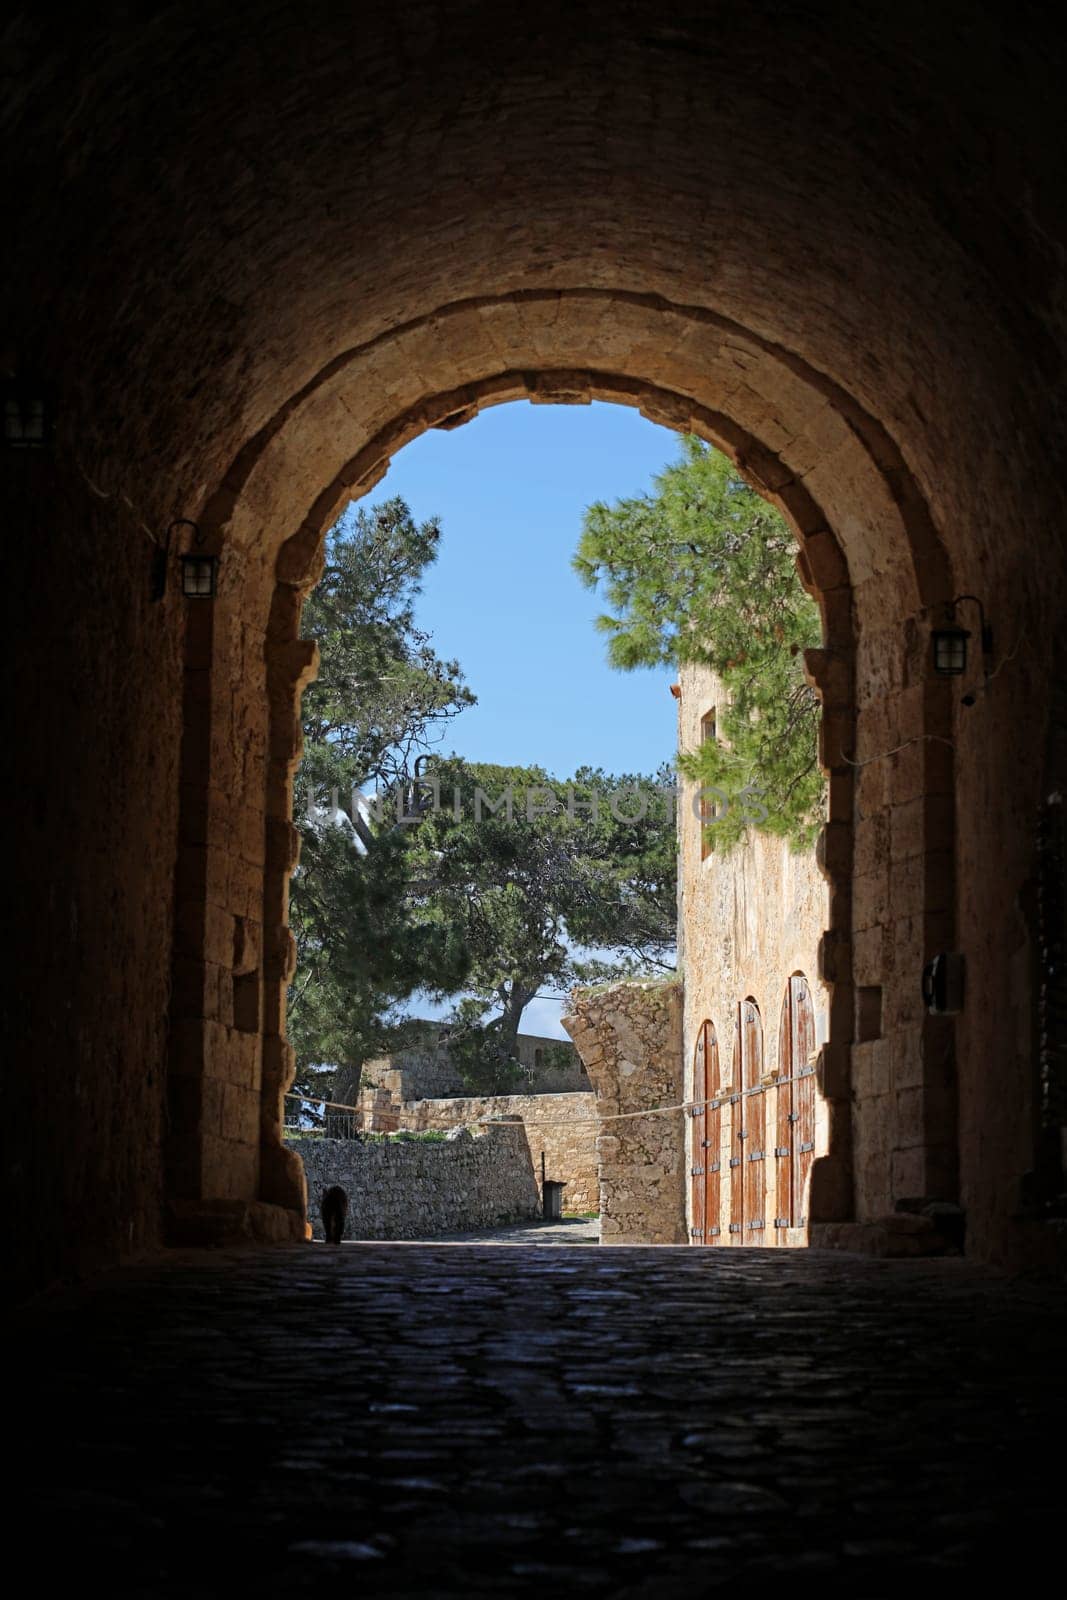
point(552, 1200)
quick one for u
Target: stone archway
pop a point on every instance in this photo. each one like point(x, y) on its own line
point(832, 451)
point(242, 295)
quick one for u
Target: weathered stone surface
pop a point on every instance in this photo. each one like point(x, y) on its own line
point(412, 1189)
point(893, 1235)
point(440, 1422)
point(629, 1036)
point(750, 918)
point(562, 1127)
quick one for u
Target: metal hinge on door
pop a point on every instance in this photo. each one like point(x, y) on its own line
point(810, 1145)
point(781, 1149)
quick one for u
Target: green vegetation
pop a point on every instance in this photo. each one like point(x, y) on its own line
point(379, 692)
point(459, 899)
point(703, 569)
point(589, 862)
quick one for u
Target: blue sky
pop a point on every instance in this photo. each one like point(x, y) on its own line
point(510, 488)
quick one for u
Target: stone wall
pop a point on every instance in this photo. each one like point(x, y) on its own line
point(387, 1081)
point(413, 1189)
point(630, 1038)
point(552, 1066)
point(563, 1126)
point(549, 1066)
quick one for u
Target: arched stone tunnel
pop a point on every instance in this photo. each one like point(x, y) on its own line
point(251, 253)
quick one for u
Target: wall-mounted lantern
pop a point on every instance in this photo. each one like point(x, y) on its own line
point(200, 577)
point(950, 651)
point(27, 416)
point(200, 572)
point(950, 640)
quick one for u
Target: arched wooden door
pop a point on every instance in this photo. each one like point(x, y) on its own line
point(705, 1163)
point(698, 1142)
point(713, 1139)
point(796, 1102)
point(753, 1124)
point(737, 1138)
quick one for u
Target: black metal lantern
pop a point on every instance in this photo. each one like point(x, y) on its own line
point(199, 577)
point(950, 651)
point(200, 571)
point(27, 417)
point(950, 642)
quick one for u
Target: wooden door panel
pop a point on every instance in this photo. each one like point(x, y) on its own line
point(755, 1167)
point(752, 1108)
point(783, 1139)
point(713, 1229)
point(712, 1139)
point(697, 1150)
point(803, 1047)
point(737, 1142)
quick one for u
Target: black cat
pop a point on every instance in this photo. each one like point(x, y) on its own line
point(333, 1208)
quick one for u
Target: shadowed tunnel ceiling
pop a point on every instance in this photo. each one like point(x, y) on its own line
point(239, 197)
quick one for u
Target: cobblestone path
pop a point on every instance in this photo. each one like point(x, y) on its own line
point(568, 1230)
point(448, 1421)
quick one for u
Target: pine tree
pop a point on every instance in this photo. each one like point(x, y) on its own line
point(703, 570)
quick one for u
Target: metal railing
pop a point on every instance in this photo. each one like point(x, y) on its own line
point(320, 1119)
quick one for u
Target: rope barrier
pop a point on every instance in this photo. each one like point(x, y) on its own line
point(547, 1122)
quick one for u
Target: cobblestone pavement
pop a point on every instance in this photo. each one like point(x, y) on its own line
point(447, 1421)
point(568, 1230)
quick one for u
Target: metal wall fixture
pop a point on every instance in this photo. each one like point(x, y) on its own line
point(200, 571)
point(950, 640)
point(28, 419)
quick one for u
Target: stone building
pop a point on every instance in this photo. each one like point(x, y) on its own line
point(754, 1013)
point(425, 1071)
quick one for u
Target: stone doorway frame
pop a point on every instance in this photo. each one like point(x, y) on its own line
point(230, 1063)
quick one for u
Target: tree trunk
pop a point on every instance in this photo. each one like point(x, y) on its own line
point(346, 1083)
point(516, 999)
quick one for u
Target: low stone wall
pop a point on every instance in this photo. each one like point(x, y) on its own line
point(413, 1189)
point(564, 1126)
point(630, 1038)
